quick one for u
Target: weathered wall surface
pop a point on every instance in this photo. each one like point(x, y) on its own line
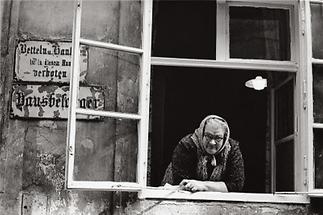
point(184, 207)
point(32, 155)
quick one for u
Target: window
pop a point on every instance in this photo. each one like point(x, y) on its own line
point(95, 148)
point(187, 88)
point(205, 52)
point(265, 33)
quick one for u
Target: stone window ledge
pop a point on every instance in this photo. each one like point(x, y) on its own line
point(158, 193)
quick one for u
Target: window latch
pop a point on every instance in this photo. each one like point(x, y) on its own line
point(305, 170)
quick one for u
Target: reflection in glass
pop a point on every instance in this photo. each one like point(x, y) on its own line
point(317, 30)
point(111, 81)
point(106, 150)
point(318, 156)
point(184, 29)
point(118, 22)
point(284, 114)
point(259, 33)
point(318, 93)
point(285, 166)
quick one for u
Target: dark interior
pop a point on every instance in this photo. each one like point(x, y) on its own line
point(182, 97)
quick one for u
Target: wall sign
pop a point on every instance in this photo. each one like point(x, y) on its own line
point(51, 101)
point(42, 61)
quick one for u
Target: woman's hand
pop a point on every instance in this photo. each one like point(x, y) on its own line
point(195, 185)
point(192, 185)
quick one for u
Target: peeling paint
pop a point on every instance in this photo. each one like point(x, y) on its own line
point(54, 174)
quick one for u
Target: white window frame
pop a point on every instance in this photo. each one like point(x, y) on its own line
point(223, 61)
point(223, 19)
point(143, 111)
point(313, 192)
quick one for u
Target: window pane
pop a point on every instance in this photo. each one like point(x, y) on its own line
point(118, 22)
point(285, 166)
point(284, 114)
point(116, 76)
point(259, 33)
point(184, 29)
point(318, 155)
point(317, 31)
point(318, 93)
point(106, 150)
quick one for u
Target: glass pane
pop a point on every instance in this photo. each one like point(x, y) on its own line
point(284, 110)
point(318, 93)
point(317, 31)
point(259, 33)
point(112, 78)
point(106, 150)
point(184, 29)
point(285, 166)
point(118, 22)
point(318, 155)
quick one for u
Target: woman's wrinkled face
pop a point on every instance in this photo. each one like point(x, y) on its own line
point(213, 136)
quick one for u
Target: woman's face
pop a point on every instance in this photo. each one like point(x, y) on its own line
point(213, 136)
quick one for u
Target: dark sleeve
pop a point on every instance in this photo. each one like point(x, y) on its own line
point(235, 177)
point(183, 163)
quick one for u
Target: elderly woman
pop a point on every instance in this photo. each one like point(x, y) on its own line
point(207, 160)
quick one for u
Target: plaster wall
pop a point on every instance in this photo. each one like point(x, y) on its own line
point(32, 155)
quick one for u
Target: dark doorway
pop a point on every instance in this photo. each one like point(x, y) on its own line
point(182, 97)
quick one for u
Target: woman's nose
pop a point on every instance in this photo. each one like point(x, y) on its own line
point(212, 142)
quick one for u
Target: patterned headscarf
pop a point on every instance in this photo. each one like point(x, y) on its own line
point(222, 154)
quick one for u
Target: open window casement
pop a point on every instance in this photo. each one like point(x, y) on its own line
point(283, 134)
point(107, 138)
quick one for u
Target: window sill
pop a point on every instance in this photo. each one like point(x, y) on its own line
point(159, 193)
point(316, 193)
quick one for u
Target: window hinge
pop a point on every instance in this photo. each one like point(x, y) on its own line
point(305, 170)
point(303, 19)
point(304, 94)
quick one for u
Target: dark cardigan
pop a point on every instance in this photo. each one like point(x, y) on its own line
point(184, 164)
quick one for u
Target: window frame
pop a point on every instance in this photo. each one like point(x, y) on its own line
point(223, 61)
point(223, 21)
point(143, 109)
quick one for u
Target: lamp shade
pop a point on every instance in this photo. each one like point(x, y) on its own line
point(257, 83)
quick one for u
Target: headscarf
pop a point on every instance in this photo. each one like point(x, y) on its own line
point(203, 157)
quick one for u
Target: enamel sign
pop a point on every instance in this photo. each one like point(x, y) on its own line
point(43, 61)
point(51, 101)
